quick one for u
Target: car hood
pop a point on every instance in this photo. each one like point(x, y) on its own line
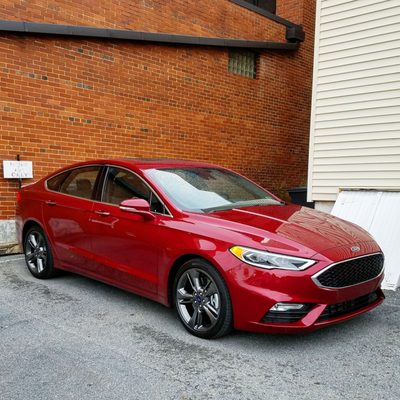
point(285, 224)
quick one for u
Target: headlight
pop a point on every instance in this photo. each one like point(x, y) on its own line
point(264, 259)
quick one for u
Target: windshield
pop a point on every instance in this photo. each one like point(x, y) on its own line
point(208, 189)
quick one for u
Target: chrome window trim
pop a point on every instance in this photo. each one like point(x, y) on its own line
point(69, 170)
point(169, 214)
point(315, 276)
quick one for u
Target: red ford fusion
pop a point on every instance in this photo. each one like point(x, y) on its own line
point(223, 251)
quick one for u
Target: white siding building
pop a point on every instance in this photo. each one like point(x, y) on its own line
point(355, 121)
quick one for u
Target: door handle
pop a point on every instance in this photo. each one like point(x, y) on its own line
point(102, 213)
point(51, 203)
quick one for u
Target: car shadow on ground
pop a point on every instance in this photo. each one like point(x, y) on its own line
point(168, 322)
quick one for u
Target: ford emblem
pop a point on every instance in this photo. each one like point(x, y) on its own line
point(354, 249)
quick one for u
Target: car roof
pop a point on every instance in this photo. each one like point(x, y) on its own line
point(148, 163)
point(136, 164)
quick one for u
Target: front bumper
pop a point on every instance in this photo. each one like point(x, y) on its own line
point(317, 318)
point(254, 291)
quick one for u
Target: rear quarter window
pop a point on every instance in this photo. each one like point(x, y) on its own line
point(55, 182)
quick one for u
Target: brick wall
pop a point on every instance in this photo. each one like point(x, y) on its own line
point(214, 18)
point(64, 100)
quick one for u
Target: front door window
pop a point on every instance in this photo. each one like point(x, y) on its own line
point(122, 184)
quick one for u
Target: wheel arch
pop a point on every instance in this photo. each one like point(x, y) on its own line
point(178, 263)
point(28, 225)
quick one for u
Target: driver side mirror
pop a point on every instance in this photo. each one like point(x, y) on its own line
point(137, 206)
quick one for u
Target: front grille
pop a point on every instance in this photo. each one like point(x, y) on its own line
point(335, 310)
point(351, 272)
point(286, 316)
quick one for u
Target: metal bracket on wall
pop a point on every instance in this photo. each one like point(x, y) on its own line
point(19, 179)
point(294, 32)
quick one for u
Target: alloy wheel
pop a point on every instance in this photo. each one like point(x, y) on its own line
point(198, 300)
point(36, 252)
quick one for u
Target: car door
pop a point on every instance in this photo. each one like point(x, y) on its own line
point(126, 245)
point(66, 213)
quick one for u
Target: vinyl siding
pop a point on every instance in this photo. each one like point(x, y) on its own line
point(355, 121)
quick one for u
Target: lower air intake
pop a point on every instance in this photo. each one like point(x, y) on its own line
point(346, 307)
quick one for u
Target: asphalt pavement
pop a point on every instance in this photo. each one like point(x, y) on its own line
point(75, 338)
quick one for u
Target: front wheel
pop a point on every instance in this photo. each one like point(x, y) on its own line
point(38, 256)
point(202, 300)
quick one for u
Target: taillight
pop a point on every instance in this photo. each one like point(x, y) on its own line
point(18, 197)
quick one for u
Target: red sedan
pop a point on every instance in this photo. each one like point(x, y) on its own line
point(223, 251)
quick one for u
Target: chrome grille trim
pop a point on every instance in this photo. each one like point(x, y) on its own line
point(315, 276)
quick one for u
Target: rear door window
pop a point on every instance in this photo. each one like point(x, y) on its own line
point(81, 182)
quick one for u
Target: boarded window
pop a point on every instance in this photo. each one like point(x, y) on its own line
point(242, 63)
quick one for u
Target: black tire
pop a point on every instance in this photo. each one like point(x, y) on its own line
point(202, 300)
point(38, 255)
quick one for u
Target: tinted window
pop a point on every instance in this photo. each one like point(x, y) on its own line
point(81, 182)
point(121, 185)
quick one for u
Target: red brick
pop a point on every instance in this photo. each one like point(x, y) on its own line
point(145, 100)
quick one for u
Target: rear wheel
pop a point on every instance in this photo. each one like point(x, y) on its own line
point(38, 256)
point(202, 300)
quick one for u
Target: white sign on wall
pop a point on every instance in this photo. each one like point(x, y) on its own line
point(17, 169)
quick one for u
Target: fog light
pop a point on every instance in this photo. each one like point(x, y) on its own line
point(287, 312)
point(282, 307)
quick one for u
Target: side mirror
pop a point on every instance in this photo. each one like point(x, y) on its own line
point(137, 206)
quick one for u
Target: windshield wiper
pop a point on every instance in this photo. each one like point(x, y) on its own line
point(241, 204)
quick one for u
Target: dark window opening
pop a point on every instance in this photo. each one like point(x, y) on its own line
point(268, 5)
point(243, 63)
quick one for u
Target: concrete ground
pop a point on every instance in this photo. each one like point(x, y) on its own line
point(74, 338)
